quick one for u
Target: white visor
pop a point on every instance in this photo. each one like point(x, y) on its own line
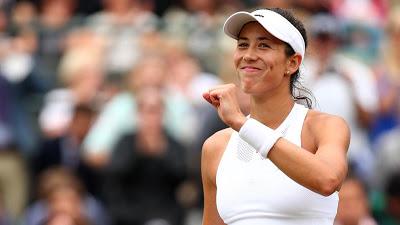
point(273, 22)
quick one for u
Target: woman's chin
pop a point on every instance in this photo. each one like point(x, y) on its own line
point(246, 88)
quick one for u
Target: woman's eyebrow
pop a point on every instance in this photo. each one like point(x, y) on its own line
point(263, 38)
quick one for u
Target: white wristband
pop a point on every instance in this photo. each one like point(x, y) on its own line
point(259, 136)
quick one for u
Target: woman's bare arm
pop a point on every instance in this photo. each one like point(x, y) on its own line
point(211, 153)
point(324, 171)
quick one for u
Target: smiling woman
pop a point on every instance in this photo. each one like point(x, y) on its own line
point(255, 42)
point(284, 163)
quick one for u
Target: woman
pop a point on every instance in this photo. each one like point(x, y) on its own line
point(284, 163)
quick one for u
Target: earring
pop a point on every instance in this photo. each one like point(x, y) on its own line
point(287, 72)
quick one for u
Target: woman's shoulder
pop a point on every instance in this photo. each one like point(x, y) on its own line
point(218, 140)
point(317, 121)
point(215, 145)
point(322, 128)
point(317, 117)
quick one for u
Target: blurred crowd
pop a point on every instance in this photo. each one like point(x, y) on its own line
point(102, 119)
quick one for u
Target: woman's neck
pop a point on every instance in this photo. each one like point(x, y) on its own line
point(271, 111)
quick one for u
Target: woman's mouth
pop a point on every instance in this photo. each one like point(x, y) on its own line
point(250, 69)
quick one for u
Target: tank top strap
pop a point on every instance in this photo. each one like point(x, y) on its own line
point(295, 118)
point(293, 125)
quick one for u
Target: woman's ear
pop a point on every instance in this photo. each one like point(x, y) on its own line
point(293, 63)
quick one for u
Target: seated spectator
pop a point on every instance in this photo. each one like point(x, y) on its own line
point(59, 191)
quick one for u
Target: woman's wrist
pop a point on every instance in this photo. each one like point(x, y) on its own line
point(239, 123)
point(259, 136)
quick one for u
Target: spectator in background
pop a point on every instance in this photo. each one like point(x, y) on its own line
point(23, 15)
point(344, 87)
point(387, 158)
point(81, 69)
point(59, 191)
point(198, 25)
point(387, 163)
point(365, 11)
point(16, 134)
point(56, 20)
point(385, 132)
point(388, 79)
point(121, 23)
point(16, 66)
point(17, 59)
point(389, 214)
point(353, 206)
point(362, 21)
point(146, 169)
point(186, 79)
point(82, 76)
point(65, 151)
point(13, 174)
point(119, 115)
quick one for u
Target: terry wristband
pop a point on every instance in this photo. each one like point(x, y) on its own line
point(259, 136)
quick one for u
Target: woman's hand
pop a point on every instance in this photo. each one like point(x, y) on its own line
point(224, 99)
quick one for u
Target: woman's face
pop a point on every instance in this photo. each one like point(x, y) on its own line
point(260, 60)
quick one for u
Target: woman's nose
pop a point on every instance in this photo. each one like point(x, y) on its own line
point(250, 55)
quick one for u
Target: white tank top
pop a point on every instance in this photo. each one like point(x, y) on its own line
point(253, 191)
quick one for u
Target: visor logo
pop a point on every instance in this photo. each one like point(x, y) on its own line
point(259, 15)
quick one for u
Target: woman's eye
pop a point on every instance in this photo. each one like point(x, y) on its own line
point(263, 45)
point(242, 45)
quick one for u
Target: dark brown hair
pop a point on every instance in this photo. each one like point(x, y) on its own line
point(297, 90)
